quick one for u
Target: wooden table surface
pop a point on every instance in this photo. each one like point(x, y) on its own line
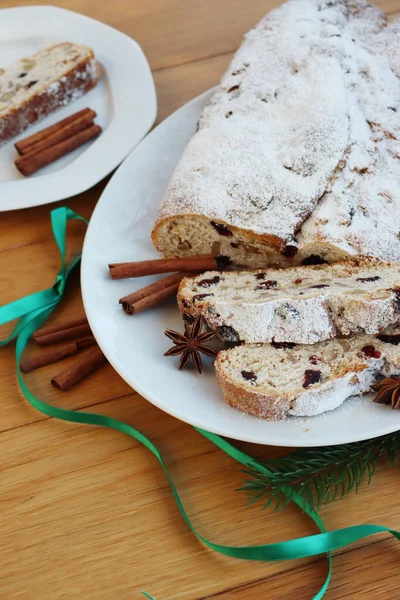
point(87, 513)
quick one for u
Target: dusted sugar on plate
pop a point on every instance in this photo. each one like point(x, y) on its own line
point(273, 381)
point(35, 86)
point(296, 154)
point(301, 305)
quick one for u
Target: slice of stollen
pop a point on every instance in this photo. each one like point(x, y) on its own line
point(301, 305)
point(37, 85)
point(273, 381)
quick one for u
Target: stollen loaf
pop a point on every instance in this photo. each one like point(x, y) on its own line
point(297, 156)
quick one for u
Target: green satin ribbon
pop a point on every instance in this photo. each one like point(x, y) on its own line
point(33, 310)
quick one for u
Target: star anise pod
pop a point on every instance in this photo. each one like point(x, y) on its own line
point(191, 343)
point(388, 391)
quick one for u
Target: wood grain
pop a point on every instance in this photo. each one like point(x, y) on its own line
point(87, 513)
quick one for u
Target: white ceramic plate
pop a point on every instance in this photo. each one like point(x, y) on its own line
point(120, 231)
point(124, 99)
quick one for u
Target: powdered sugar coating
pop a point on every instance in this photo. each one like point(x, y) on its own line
point(361, 215)
point(301, 305)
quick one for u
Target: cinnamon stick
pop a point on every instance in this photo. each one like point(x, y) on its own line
point(30, 163)
point(23, 145)
point(84, 366)
point(62, 332)
point(205, 262)
point(55, 354)
point(62, 133)
point(172, 281)
point(153, 299)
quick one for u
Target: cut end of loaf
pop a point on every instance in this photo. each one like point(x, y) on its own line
point(190, 235)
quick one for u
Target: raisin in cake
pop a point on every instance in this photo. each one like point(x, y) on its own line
point(297, 154)
point(35, 86)
point(301, 305)
point(272, 381)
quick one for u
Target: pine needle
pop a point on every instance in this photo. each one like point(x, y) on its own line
point(319, 475)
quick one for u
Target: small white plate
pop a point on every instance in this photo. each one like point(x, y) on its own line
point(120, 231)
point(124, 99)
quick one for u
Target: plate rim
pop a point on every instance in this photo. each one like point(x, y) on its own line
point(288, 443)
point(45, 187)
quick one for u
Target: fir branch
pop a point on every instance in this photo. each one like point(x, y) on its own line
point(319, 475)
